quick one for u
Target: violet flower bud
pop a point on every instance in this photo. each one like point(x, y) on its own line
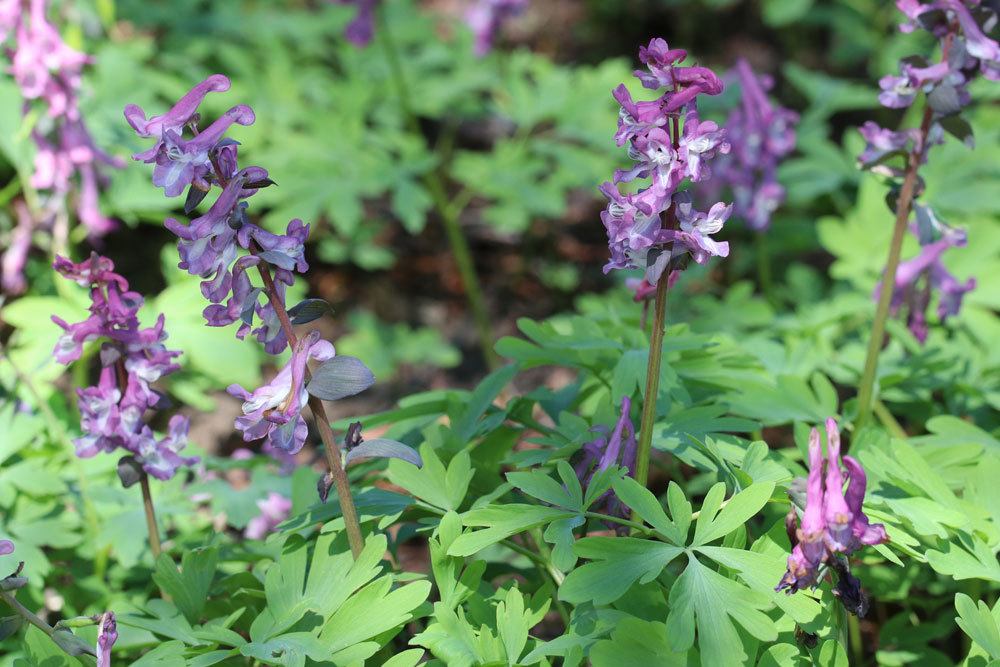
point(835, 510)
point(6, 547)
point(107, 635)
point(618, 448)
point(361, 29)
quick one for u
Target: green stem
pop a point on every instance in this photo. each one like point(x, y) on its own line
point(764, 267)
point(448, 211)
point(652, 383)
point(333, 458)
point(888, 420)
point(866, 388)
point(154, 530)
point(854, 634)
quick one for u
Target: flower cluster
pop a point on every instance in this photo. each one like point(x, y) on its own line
point(918, 277)
point(486, 17)
point(48, 72)
point(273, 510)
point(966, 52)
point(665, 154)
point(273, 411)
point(361, 29)
point(210, 245)
point(132, 359)
point(617, 448)
point(833, 524)
point(761, 134)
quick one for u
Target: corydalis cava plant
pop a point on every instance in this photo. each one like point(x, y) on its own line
point(67, 162)
point(966, 52)
point(658, 229)
point(832, 525)
point(221, 246)
point(114, 412)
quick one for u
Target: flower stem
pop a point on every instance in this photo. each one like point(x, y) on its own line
point(448, 213)
point(25, 613)
point(147, 503)
point(764, 267)
point(147, 497)
point(652, 382)
point(330, 448)
point(866, 388)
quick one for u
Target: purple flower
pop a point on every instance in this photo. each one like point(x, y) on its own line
point(697, 228)
point(616, 449)
point(485, 18)
point(880, 142)
point(16, 256)
point(273, 411)
point(761, 134)
point(180, 162)
point(6, 547)
point(211, 245)
point(918, 277)
point(107, 635)
point(361, 29)
point(178, 116)
point(701, 140)
point(833, 522)
point(273, 510)
point(48, 73)
point(666, 155)
point(133, 358)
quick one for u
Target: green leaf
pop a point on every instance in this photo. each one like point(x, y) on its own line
point(618, 562)
point(372, 611)
point(480, 401)
point(715, 602)
point(538, 484)
point(188, 587)
point(977, 621)
point(737, 511)
point(637, 642)
point(441, 487)
point(290, 650)
point(959, 563)
point(648, 508)
point(502, 521)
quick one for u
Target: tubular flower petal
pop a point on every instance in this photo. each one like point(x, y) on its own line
point(833, 524)
point(273, 410)
point(617, 448)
